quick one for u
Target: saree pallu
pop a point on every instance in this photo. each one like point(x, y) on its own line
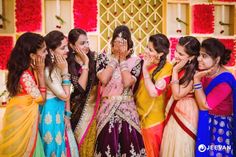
point(19, 136)
point(181, 126)
point(52, 127)
point(85, 131)
point(118, 132)
point(213, 129)
point(71, 145)
point(151, 111)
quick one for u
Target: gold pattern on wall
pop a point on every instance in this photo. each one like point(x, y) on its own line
point(143, 17)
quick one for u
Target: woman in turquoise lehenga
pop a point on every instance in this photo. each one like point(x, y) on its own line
point(53, 123)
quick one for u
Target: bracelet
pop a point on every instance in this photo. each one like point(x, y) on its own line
point(43, 89)
point(84, 67)
point(66, 82)
point(113, 63)
point(68, 113)
point(123, 66)
point(197, 86)
point(65, 76)
point(174, 82)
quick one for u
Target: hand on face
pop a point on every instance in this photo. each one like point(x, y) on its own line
point(124, 52)
point(120, 49)
point(148, 60)
point(39, 63)
point(61, 63)
point(199, 74)
point(82, 55)
point(179, 65)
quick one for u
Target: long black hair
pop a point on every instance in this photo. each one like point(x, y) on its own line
point(20, 60)
point(73, 36)
point(215, 48)
point(192, 47)
point(53, 40)
point(161, 45)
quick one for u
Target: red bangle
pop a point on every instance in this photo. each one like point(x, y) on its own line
point(42, 89)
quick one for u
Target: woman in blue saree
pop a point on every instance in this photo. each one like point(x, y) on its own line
point(216, 96)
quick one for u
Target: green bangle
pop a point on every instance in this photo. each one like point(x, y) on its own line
point(68, 114)
point(66, 82)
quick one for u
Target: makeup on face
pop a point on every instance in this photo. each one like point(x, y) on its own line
point(205, 61)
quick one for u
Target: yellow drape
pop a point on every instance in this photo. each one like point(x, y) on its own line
point(151, 110)
point(20, 123)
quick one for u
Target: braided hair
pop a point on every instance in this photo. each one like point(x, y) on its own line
point(161, 45)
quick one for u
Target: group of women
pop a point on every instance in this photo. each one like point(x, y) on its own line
point(120, 104)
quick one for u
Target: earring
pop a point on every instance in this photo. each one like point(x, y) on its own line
point(33, 62)
point(52, 57)
point(189, 61)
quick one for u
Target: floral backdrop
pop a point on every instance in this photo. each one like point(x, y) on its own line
point(6, 44)
point(28, 14)
point(85, 14)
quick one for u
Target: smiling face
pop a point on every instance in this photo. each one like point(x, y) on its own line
point(62, 49)
point(82, 43)
point(205, 61)
point(152, 53)
point(180, 54)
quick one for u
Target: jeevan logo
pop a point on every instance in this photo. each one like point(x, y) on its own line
point(202, 148)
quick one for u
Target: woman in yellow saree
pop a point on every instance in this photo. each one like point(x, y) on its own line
point(19, 136)
point(151, 92)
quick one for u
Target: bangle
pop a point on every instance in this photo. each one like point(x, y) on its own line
point(174, 82)
point(66, 82)
point(113, 63)
point(65, 76)
point(197, 86)
point(85, 67)
point(68, 113)
point(123, 66)
point(42, 89)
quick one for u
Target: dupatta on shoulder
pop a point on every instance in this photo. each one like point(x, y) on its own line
point(203, 134)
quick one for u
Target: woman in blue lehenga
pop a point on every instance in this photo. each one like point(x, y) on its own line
point(216, 96)
point(55, 114)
